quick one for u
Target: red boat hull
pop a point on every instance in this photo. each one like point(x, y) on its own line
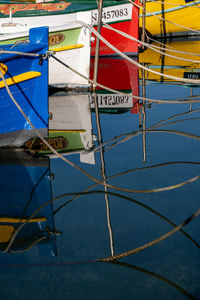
point(118, 74)
point(123, 44)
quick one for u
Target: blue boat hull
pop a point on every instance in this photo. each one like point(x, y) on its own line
point(30, 90)
point(26, 182)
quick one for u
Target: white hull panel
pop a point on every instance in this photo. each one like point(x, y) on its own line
point(78, 59)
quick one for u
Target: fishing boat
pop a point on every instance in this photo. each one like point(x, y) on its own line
point(120, 75)
point(24, 82)
point(172, 61)
point(25, 221)
point(69, 41)
point(171, 18)
point(70, 127)
point(121, 15)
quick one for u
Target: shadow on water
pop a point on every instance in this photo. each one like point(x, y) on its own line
point(130, 189)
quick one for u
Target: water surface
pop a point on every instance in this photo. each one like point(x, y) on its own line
point(113, 203)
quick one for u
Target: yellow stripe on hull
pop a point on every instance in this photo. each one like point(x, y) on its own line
point(171, 65)
point(20, 78)
point(6, 231)
point(176, 11)
point(23, 220)
point(65, 48)
point(3, 68)
point(159, 78)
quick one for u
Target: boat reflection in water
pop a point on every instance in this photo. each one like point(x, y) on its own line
point(24, 187)
point(132, 206)
point(70, 127)
point(183, 64)
point(120, 75)
point(24, 222)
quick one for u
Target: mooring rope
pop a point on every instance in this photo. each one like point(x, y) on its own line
point(154, 242)
point(133, 61)
point(170, 3)
point(112, 90)
point(171, 283)
point(131, 199)
point(149, 130)
point(126, 137)
point(160, 18)
point(123, 254)
point(19, 53)
point(135, 250)
point(178, 185)
point(148, 45)
point(172, 49)
point(122, 93)
point(77, 167)
point(33, 244)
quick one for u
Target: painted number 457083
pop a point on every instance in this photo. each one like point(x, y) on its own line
point(111, 14)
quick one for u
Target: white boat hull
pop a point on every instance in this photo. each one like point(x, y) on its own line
point(76, 58)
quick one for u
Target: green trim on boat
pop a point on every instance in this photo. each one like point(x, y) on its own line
point(70, 37)
point(74, 142)
point(65, 38)
point(75, 6)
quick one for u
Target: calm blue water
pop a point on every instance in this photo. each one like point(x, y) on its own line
point(157, 147)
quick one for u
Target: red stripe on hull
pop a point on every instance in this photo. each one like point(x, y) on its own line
point(121, 43)
point(118, 74)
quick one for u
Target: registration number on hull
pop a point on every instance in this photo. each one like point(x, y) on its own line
point(112, 101)
point(115, 13)
point(192, 75)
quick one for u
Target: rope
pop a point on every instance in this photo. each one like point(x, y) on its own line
point(124, 254)
point(136, 133)
point(171, 49)
point(169, 3)
point(134, 62)
point(160, 18)
point(121, 93)
point(83, 171)
point(128, 136)
point(19, 53)
point(148, 45)
point(131, 199)
point(72, 164)
point(37, 241)
point(154, 242)
point(127, 253)
point(157, 276)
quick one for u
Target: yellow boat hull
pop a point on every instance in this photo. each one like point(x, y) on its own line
point(171, 65)
point(162, 17)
